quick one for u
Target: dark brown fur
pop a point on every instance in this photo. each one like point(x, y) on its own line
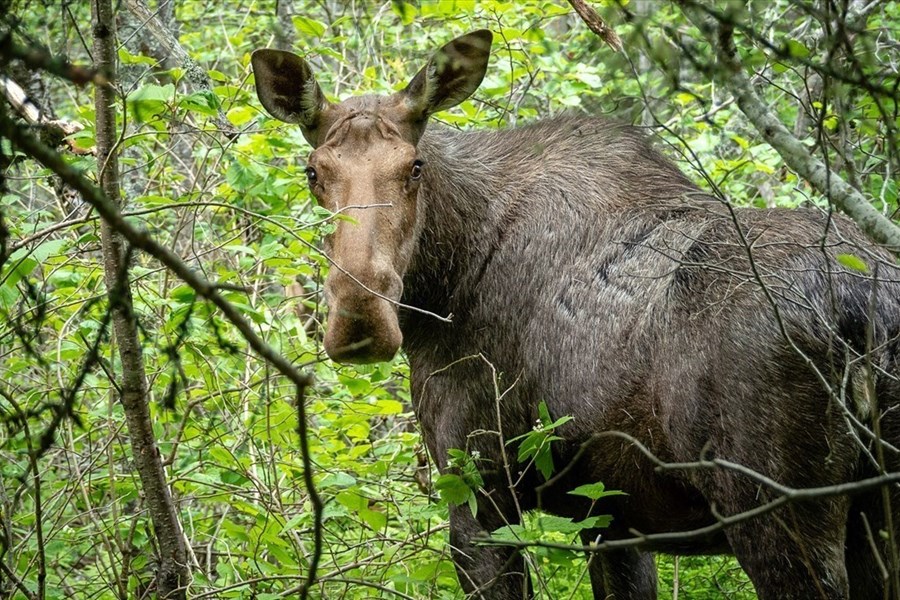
point(581, 266)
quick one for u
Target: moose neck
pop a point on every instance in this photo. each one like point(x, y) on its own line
point(462, 198)
point(568, 179)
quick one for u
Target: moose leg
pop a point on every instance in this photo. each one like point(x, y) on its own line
point(485, 572)
point(796, 553)
point(626, 574)
point(869, 554)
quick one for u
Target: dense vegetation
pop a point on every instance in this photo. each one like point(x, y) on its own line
point(221, 184)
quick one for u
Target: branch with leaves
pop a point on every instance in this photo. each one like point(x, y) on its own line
point(173, 573)
point(140, 239)
point(732, 74)
point(195, 74)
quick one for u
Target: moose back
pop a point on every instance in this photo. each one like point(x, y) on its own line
point(583, 270)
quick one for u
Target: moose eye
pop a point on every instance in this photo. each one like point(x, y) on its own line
point(311, 175)
point(416, 170)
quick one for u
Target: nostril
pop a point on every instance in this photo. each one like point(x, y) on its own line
point(362, 320)
point(351, 338)
point(362, 327)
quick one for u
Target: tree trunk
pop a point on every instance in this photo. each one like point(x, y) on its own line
point(173, 575)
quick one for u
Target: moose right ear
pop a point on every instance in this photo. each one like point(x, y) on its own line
point(453, 74)
point(287, 89)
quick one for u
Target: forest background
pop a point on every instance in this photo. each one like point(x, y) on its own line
point(114, 344)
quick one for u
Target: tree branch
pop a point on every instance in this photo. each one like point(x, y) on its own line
point(54, 130)
point(40, 59)
point(596, 24)
point(173, 574)
point(141, 239)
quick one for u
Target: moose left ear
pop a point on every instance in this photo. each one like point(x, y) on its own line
point(452, 74)
point(287, 89)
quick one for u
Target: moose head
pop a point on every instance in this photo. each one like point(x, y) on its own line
point(365, 166)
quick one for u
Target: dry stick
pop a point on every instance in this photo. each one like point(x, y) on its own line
point(596, 24)
point(32, 113)
point(17, 582)
point(885, 577)
point(142, 240)
point(173, 574)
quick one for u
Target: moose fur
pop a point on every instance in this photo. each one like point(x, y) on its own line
point(581, 268)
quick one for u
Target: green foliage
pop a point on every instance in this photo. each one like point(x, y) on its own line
point(595, 491)
point(536, 444)
point(240, 211)
point(456, 489)
point(851, 261)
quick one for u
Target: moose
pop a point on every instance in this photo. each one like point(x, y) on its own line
point(710, 357)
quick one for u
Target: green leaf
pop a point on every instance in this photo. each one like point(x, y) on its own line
point(796, 49)
point(595, 491)
point(357, 386)
point(851, 261)
point(453, 489)
point(204, 102)
point(308, 26)
point(426, 571)
point(510, 533)
point(154, 200)
point(404, 10)
point(183, 294)
point(373, 518)
point(338, 479)
point(568, 526)
point(543, 460)
point(242, 178)
point(389, 407)
point(240, 115)
point(558, 422)
point(473, 505)
point(127, 58)
point(150, 100)
point(352, 500)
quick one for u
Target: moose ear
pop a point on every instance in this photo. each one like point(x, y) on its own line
point(287, 89)
point(452, 75)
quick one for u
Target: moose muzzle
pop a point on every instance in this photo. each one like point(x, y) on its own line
point(362, 316)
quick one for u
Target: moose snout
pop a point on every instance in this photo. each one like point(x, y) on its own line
point(362, 316)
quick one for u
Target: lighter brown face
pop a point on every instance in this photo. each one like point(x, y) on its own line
point(365, 169)
point(366, 172)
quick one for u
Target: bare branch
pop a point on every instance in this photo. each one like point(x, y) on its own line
point(55, 130)
point(596, 24)
point(40, 59)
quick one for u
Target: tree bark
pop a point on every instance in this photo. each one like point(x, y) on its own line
point(596, 24)
point(173, 574)
point(285, 33)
